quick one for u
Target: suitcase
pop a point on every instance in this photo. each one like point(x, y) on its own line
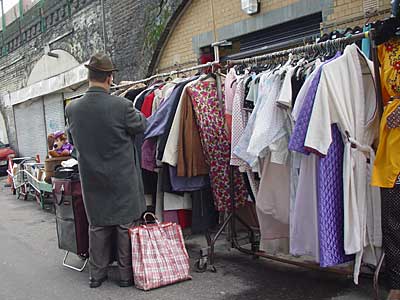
point(71, 220)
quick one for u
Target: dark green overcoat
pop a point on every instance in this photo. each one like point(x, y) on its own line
point(102, 128)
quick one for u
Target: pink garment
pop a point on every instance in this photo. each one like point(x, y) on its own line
point(230, 89)
point(239, 121)
point(273, 203)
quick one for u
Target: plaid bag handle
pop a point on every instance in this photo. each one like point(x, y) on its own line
point(152, 215)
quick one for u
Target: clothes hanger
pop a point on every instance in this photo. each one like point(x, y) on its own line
point(223, 75)
point(240, 69)
point(336, 34)
point(209, 76)
point(386, 29)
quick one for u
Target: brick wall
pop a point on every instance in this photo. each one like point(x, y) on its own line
point(22, 48)
point(350, 13)
point(133, 30)
point(179, 51)
point(136, 31)
point(27, 47)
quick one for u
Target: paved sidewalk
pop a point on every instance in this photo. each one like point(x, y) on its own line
point(31, 268)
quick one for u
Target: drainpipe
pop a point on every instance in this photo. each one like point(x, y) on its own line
point(21, 9)
point(3, 20)
point(104, 26)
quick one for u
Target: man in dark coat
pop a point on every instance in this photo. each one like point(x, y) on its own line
point(102, 128)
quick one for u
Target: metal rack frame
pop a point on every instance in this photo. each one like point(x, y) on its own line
point(207, 255)
point(167, 74)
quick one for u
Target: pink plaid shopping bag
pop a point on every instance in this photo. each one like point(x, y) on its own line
point(159, 255)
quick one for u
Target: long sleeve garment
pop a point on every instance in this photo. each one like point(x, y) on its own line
point(170, 155)
point(230, 90)
point(191, 158)
point(162, 141)
point(304, 218)
point(272, 203)
point(175, 97)
point(346, 96)
point(215, 143)
point(270, 121)
point(268, 87)
point(239, 120)
point(326, 213)
point(147, 105)
point(160, 122)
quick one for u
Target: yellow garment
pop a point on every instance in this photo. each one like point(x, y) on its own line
point(389, 57)
point(387, 163)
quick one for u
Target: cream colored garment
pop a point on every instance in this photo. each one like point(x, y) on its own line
point(171, 148)
point(272, 204)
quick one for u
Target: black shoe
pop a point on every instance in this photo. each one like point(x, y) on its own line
point(125, 283)
point(93, 283)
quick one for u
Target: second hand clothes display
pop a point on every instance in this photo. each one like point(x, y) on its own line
point(295, 136)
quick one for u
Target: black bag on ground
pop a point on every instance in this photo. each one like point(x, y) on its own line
point(204, 215)
point(71, 219)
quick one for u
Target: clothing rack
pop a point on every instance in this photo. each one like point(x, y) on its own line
point(207, 258)
point(310, 48)
point(167, 74)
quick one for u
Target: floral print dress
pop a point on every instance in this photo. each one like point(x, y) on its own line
point(216, 145)
point(389, 57)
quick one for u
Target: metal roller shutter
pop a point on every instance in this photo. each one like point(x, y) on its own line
point(290, 33)
point(54, 112)
point(31, 130)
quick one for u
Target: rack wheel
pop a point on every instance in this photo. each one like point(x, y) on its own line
point(37, 197)
point(201, 267)
point(21, 191)
point(24, 193)
point(213, 269)
point(83, 256)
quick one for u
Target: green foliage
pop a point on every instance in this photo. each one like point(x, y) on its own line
point(156, 26)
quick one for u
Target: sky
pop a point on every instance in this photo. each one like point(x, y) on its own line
point(8, 4)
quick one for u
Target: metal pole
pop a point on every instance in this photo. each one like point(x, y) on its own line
point(213, 19)
point(104, 26)
point(21, 9)
point(3, 20)
point(218, 80)
point(301, 49)
point(374, 56)
point(379, 100)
